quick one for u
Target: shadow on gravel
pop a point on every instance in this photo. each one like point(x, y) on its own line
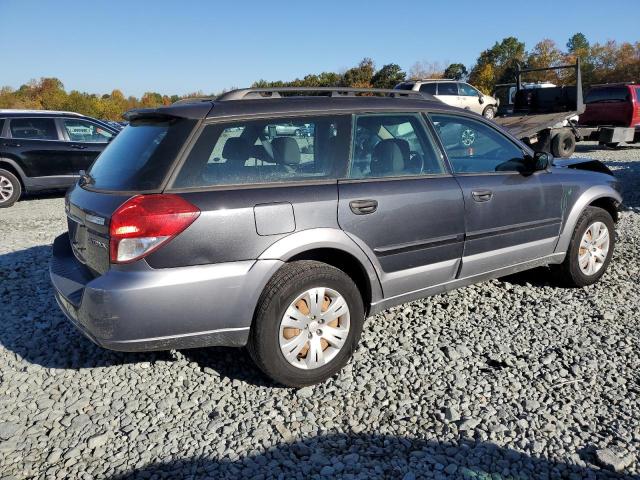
point(34, 328)
point(380, 456)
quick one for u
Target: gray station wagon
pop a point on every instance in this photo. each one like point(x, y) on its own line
point(204, 223)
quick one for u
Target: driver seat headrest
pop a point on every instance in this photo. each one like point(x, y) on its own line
point(389, 156)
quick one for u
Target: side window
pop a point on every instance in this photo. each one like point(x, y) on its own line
point(1, 126)
point(83, 131)
point(268, 151)
point(474, 147)
point(391, 146)
point(447, 88)
point(33, 128)
point(428, 88)
point(467, 90)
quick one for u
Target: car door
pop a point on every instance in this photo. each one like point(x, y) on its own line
point(39, 146)
point(512, 215)
point(448, 93)
point(470, 98)
point(400, 204)
point(86, 140)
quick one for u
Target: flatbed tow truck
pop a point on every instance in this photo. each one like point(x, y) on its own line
point(545, 118)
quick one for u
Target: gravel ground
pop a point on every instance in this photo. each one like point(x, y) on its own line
point(512, 378)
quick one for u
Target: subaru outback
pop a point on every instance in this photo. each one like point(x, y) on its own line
point(200, 225)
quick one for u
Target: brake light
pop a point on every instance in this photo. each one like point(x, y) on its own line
point(145, 222)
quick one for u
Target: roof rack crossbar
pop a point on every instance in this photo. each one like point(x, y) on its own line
point(253, 93)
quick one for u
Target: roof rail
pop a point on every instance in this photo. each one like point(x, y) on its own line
point(193, 100)
point(436, 80)
point(253, 93)
point(20, 110)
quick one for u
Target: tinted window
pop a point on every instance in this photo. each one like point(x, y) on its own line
point(405, 86)
point(428, 88)
point(467, 90)
point(447, 88)
point(391, 146)
point(608, 95)
point(140, 156)
point(83, 131)
point(474, 147)
point(34, 128)
point(1, 126)
point(267, 151)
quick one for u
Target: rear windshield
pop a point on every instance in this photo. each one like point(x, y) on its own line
point(608, 95)
point(139, 157)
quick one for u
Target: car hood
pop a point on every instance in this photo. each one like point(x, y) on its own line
point(582, 164)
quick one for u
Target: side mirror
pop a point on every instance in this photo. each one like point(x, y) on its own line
point(539, 161)
point(481, 99)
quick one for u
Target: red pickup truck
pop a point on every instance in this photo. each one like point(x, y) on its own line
point(612, 114)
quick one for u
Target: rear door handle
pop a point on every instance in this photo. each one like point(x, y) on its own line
point(78, 147)
point(363, 207)
point(482, 195)
point(11, 144)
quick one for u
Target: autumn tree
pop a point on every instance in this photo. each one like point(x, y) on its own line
point(498, 64)
point(359, 76)
point(425, 69)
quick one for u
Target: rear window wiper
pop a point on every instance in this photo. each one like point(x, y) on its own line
point(86, 178)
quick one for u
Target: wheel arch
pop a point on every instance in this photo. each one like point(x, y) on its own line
point(602, 196)
point(335, 248)
point(13, 167)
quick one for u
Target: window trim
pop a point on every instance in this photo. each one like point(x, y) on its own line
point(191, 142)
point(55, 123)
point(508, 136)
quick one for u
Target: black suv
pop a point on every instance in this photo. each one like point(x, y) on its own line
point(45, 150)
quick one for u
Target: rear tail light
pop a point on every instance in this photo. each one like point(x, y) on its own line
point(145, 222)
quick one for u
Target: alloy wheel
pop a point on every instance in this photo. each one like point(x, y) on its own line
point(6, 189)
point(594, 248)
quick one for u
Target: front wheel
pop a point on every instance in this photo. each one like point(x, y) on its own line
point(590, 249)
point(307, 324)
point(489, 112)
point(10, 188)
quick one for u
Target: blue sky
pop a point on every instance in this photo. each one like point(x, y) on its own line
point(183, 46)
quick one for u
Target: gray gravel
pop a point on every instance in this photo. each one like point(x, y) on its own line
point(513, 378)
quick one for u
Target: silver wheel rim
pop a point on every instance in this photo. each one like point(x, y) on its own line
point(594, 248)
point(468, 137)
point(488, 113)
point(6, 189)
point(314, 328)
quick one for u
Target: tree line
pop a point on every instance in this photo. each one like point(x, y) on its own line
point(601, 63)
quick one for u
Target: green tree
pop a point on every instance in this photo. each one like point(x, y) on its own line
point(504, 58)
point(388, 76)
point(578, 43)
point(456, 71)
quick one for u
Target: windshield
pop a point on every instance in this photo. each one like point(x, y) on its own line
point(140, 156)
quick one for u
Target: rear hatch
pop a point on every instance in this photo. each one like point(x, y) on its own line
point(137, 161)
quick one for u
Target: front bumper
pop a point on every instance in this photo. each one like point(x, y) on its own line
point(137, 308)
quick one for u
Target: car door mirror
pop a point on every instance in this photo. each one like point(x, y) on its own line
point(481, 99)
point(539, 161)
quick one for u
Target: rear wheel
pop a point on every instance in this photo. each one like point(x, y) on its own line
point(307, 324)
point(613, 145)
point(10, 188)
point(590, 249)
point(563, 144)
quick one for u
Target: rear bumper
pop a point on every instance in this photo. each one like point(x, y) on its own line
point(137, 308)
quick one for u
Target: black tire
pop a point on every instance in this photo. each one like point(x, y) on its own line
point(613, 145)
point(489, 112)
point(11, 183)
point(289, 282)
point(563, 144)
point(569, 272)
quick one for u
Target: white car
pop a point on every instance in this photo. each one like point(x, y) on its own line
point(455, 93)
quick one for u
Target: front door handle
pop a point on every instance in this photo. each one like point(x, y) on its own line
point(482, 195)
point(10, 144)
point(363, 207)
point(78, 147)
